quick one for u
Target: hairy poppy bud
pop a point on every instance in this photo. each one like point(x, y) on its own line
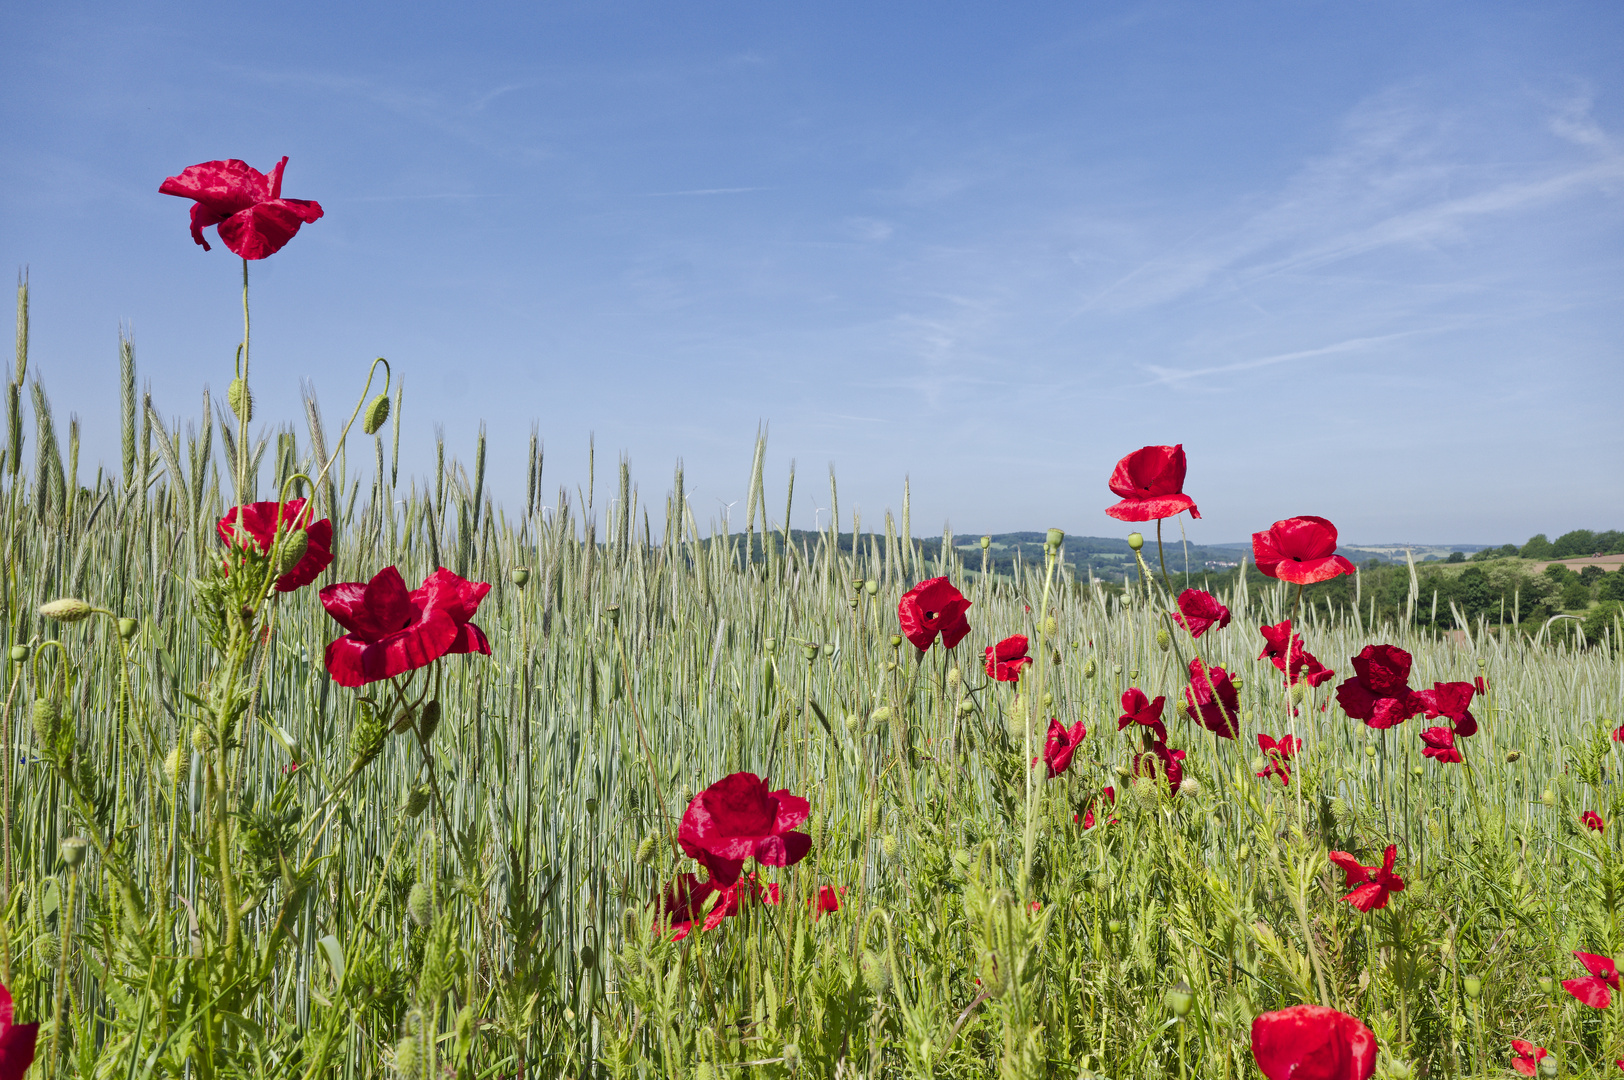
point(1513, 756)
point(871, 587)
point(589, 957)
point(292, 549)
point(876, 971)
point(1180, 999)
point(429, 720)
point(1246, 849)
point(966, 707)
point(880, 715)
point(994, 983)
point(68, 609)
point(1136, 540)
point(200, 738)
point(47, 721)
point(1297, 692)
point(407, 1063)
point(890, 665)
point(520, 576)
point(73, 850)
point(854, 723)
point(1473, 986)
point(1189, 787)
point(420, 904)
point(1164, 640)
point(127, 628)
point(704, 1071)
point(172, 765)
point(241, 400)
point(954, 676)
point(376, 414)
point(792, 1057)
point(1048, 699)
point(19, 653)
point(1054, 538)
point(1090, 668)
point(50, 950)
point(888, 845)
point(417, 800)
point(645, 850)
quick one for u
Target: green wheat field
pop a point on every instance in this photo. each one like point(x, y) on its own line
point(268, 875)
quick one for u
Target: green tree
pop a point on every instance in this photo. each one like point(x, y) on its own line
point(1577, 542)
point(1456, 556)
point(1575, 595)
point(1611, 586)
point(1538, 547)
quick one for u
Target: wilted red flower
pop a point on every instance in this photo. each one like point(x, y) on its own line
point(1592, 820)
point(1440, 744)
point(1595, 990)
point(1005, 659)
point(736, 819)
point(260, 522)
point(1200, 611)
point(392, 631)
point(1301, 550)
point(1528, 1056)
point(16, 1041)
point(1312, 1042)
point(1372, 884)
point(1300, 663)
point(1108, 797)
point(1379, 693)
point(254, 219)
point(1212, 699)
point(1139, 709)
point(933, 607)
point(1158, 759)
point(1061, 744)
point(1278, 753)
point(1451, 699)
point(1150, 483)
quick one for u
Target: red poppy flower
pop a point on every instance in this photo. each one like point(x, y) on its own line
point(1200, 611)
point(1592, 820)
point(1299, 664)
point(1061, 744)
point(1312, 1042)
point(684, 902)
point(1278, 753)
point(1158, 759)
point(1440, 744)
point(16, 1041)
point(1481, 685)
point(1150, 483)
point(392, 631)
point(1108, 797)
point(1618, 733)
point(1451, 699)
point(1372, 884)
point(1596, 990)
point(933, 607)
point(1379, 693)
point(260, 523)
point(736, 819)
point(1528, 1056)
point(1301, 550)
point(1005, 659)
point(1212, 699)
point(1139, 709)
point(826, 902)
point(254, 219)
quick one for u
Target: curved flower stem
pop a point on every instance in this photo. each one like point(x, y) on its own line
point(242, 419)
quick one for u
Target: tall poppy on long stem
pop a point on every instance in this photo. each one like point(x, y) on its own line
point(931, 608)
point(1150, 483)
point(1301, 550)
point(254, 220)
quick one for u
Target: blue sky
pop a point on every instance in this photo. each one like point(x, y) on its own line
point(1363, 259)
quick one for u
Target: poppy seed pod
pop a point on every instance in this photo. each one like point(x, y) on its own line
point(241, 400)
point(592, 806)
point(377, 413)
point(966, 707)
point(810, 648)
point(896, 641)
point(68, 609)
point(520, 576)
point(1473, 986)
point(871, 587)
point(1054, 538)
point(19, 653)
point(127, 628)
point(986, 542)
point(420, 904)
point(73, 850)
point(1180, 999)
point(770, 646)
point(1548, 1066)
point(1136, 541)
point(612, 613)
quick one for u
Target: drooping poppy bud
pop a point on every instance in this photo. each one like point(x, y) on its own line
point(377, 413)
point(241, 400)
point(68, 609)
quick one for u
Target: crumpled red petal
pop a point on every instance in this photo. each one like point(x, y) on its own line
point(1312, 1042)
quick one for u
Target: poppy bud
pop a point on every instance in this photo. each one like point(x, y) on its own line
point(1246, 849)
point(1164, 640)
point(871, 587)
point(854, 723)
point(19, 653)
point(966, 707)
point(1048, 699)
point(954, 676)
point(1473, 986)
point(73, 850)
point(50, 950)
point(429, 720)
point(1370, 750)
point(1090, 669)
point(1548, 797)
point(1297, 689)
point(896, 641)
point(241, 400)
point(1136, 540)
point(47, 721)
point(1113, 926)
point(770, 646)
point(704, 1071)
point(1513, 756)
point(1054, 538)
point(589, 957)
point(1416, 770)
point(792, 1057)
point(1399, 1070)
point(376, 414)
point(888, 845)
point(127, 628)
point(890, 665)
point(876, 971)
point(1051, 626)
point(993, 982)
point(420, 904)
point(520, 576)
point(406, 1060)
point(417, 800)
point(986, 542)
point(68, 609)
point(1180, 999)
point(292, 550)
point(880, 715)
point(172, 765)
point(1189, 787)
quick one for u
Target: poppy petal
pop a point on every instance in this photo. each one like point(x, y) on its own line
point(1589, 991)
